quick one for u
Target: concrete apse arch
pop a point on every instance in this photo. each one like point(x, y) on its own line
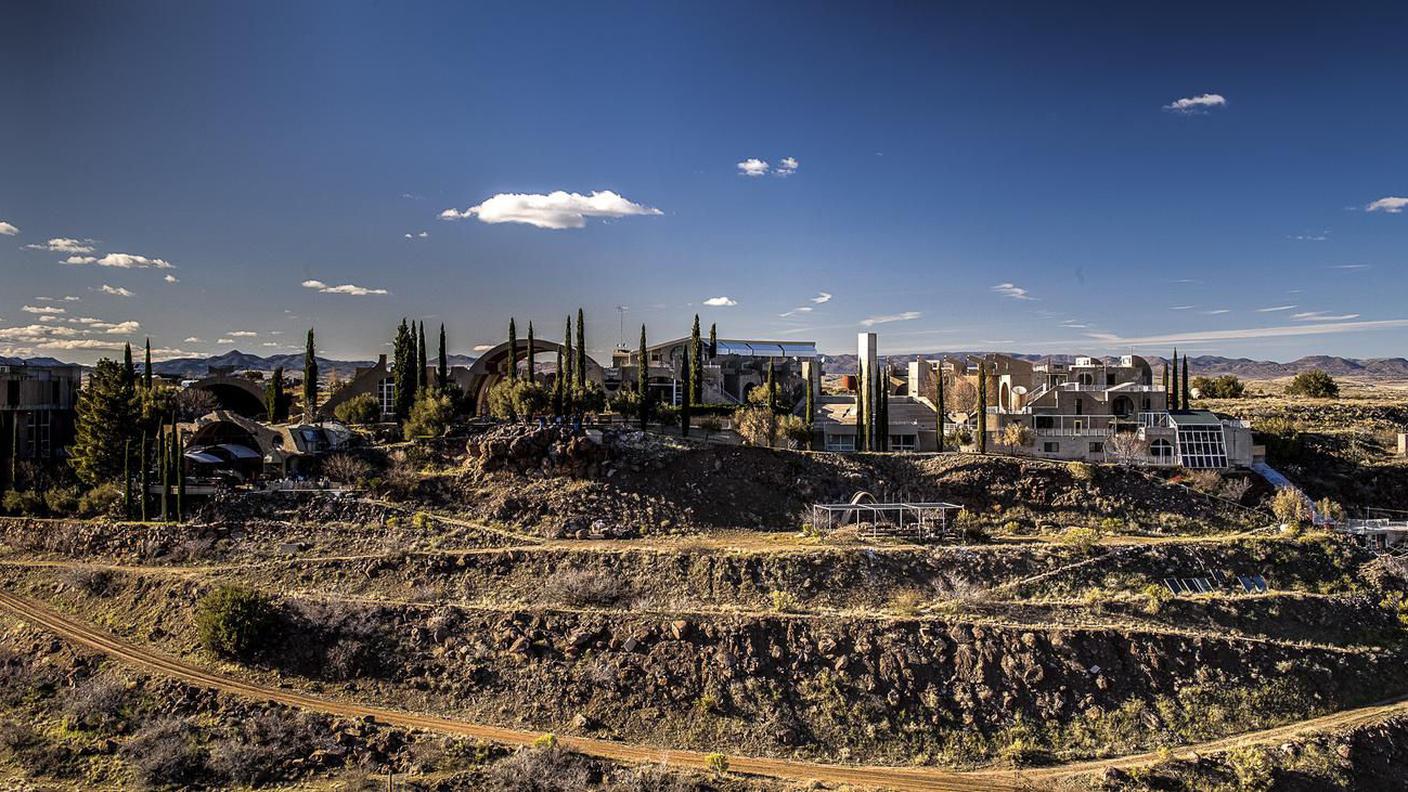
point(492, 366)
point(235, 394)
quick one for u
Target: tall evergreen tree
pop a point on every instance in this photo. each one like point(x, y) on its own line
point(570, 355)
point(106, 420)
point(939, 418)
point(982, 409)
point(1173, 392)
point(532, 372)
point(643, 380)
point(145, 467)
point(422, 364)
point(147, 367)
point(696, 365)
point(404, 374)
point(713, 340)
point(1187, 390)
point(274, 396)
point(882, 421)
point(310, 377)
point(164, 455)
point(558, 381)
point(1165, 382)
point(772, 386)
point(686, 372)
point(126, 480)
point(512, 349)
point(862, 388)
point(180, 463)
point(129, 372)
point(442, 368)
point(580, 367)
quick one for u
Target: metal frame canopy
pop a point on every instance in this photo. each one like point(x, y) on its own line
point(922, 520)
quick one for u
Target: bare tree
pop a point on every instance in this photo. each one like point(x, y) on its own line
point(1127, 448)
point(1017, 435)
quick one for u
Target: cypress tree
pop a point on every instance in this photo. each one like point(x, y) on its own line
point(713, 340)
point(404, 352)
point(127, 479)
point(696, 365)
point(570, 356)
point(581, 365)
point(557, 384)
point(686, 372)
point(811, 404)
point(147, 367)
point(512, 349)
point(1165, 382)
point(772, 386)
point(643, 380)
point(422, 365)
point(442, 370)
point(163, 457)
point(310, 377)
point(982, 409)
point(1173, 393)
point(146, 477)
point(180, 462)
point(861, 387)
point(129, 373)
point(882, 421)
point(939, 403)
point(532, 374)
point(274, 395)
point(1187, 390)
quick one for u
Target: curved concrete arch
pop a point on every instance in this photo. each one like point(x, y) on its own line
point(492, 366)
point(235, 394)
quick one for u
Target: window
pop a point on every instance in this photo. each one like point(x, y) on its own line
point(1162, 451)
point(37, 434)
point(1080, 407)
point(12, 392)
point(386, 394)
point(840, 442)
point(903, 442)
point(1097, 448)
point(1202, 447)
point(1051, 448)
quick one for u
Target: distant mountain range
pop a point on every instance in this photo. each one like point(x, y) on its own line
point(196, 367)
point(1395, 368)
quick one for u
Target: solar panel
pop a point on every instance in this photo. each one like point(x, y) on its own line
point(1260, 583)
point(1173, 585)
point(1192, 585)
point(1246, 584)
point(1220, 579)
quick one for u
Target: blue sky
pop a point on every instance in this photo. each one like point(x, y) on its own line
point(998, 176)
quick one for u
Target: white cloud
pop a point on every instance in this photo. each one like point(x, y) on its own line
point(556, 210)
point(1196, 104)
point(794, 311)
point(116, 291)
point(224, 340)
point(269, 344)
point(753, 167)
point(171, 279)
point(421, 235)
point(1349, 266)
point(71, 344)
point(43, 309)
point(7, 229)
point(1320, 237)
point(899, 317)
point(1323, 316)
point(30, 334)
point(1275, 308)
point(483, 347)
point(242, 334)
point(1012, 290)
point(346, 288)
point(192, 340)
point(822, 297)
point(1391, 204)
point(1253, 332)
point(787, 167)
point(64, 245)
point(1181, 307)
point(1218, 311)
point(121, 261)
point(121, 328)
point(721, 302)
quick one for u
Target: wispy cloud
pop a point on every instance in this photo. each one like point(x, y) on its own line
point(346, 288)
point(1275, 308)
point(1012, 290)
point(1252, 332)
point(116, 291)
point(63, 245)
point(822, 297)
point(753, 167)
point(1320, 237)
point(7, 229)
point(1218, 311)
point(888, 318)
point(241, 334)
point(1349, 266)
point(421, 235)
point(787, 167)
point(43, 309)
point(170, 279)
point(721, 302)
point(1192, 105)
point(1181, 307)
point(795, 311)
point(1323, 316)
point(1391, 204)
point(192, 340)
point(556, 210)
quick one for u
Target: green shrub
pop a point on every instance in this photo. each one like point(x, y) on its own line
point(1154, 598)
point(360, 409)
point(1252, 768)
point(717, 763)
point(1290, 507)
point(1315, 384)
point(782, 602)
point(1083, 539)
point(27, 503)
point(1080, 471)
point(1226, 386)
point(104, 499)
point(429, 417)
point(61, 500)
point(234, 621)
point(517, 399)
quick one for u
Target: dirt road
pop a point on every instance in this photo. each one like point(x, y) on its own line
point(900, 779)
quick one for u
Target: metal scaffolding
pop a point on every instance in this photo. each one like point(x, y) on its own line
point(927, 520)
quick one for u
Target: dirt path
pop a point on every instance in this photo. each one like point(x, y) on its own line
point(899, 779)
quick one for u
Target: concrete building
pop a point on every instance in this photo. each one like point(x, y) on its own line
point(37, 410)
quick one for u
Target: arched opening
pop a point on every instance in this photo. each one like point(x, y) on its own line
point(1122, 406)
point(239, 396)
